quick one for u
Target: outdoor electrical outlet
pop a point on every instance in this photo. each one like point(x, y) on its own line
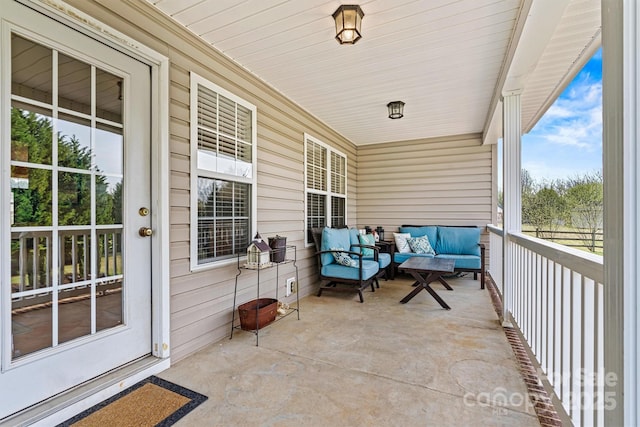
point(291, 286)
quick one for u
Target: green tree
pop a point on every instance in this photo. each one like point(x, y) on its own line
point(546, 212)
point(585, 199)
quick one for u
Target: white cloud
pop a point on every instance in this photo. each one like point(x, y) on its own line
point(575, 119)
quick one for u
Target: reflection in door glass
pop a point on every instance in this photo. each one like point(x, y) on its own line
point(74, 142)
point(67, 271)
point(74, 84)
point(31, 320)
point(30, 196)
point(109, 95)
point(31, 69)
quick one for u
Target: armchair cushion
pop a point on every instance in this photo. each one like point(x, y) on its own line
point(333, 238)
point(369, 269)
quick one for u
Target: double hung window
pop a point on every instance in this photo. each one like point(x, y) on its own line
point(223, 157)
point(326, 186)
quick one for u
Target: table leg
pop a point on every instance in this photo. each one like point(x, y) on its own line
point(444, 283)
point(424, 284)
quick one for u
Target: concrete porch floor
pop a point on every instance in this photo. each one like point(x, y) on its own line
point(380, 363)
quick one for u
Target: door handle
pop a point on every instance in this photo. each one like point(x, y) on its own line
point(145, 232)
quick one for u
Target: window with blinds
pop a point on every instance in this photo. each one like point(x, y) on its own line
point(326, 186)
point(223, 135)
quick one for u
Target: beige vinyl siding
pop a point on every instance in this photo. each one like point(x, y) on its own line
point(443, 181)
point(201, 303)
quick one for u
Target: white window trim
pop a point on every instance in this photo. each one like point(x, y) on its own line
point(195, 172)
point(328, 192)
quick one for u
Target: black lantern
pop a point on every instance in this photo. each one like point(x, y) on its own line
point(348, 22)
point(380, 232)
point(396, 109)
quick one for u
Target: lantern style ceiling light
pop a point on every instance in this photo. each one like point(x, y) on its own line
point(396, 109)
point(348, 19)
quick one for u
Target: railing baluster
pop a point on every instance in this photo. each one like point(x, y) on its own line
point(558, 306)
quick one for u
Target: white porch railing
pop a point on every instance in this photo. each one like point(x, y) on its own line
point(557, 304)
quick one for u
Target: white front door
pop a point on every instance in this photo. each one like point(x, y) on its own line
point(75, 276)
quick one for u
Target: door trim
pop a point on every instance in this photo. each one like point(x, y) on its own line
point(159, 65)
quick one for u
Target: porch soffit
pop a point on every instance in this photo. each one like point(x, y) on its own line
point(442, 58)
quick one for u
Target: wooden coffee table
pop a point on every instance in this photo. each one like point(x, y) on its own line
point(426, 271)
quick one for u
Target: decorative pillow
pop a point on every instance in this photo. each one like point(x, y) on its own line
point(367, 239)
point(402, 245)
point(421, 245)
point(343, 258)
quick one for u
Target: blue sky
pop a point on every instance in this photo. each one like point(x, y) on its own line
point(567, 141)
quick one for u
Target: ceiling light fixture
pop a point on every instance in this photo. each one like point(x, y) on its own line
point(396, 109)
point(348, 19)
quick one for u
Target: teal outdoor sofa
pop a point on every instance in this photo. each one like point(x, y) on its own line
point(461, 244)
point(333, 245)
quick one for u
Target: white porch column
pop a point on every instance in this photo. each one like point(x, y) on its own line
point(621, 158)
point(512, 192)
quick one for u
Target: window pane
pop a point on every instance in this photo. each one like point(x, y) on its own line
point(245, 124)
point(31, 197)
point(108, 149)
point(108, 200)
point(316, 212)
point(75, 258)
point(338, 212)
point(74, 198)
point(316, 167)
point(207, 108)
point(227, 116)
point(223, 218)
point(338, 174)
point(31, 135)
point(109, 95)
point(31, 261)
point(31, 70)
point(74, 142)
point(74, 84)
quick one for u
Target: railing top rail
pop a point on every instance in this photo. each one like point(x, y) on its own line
point(495, 229)
point(585, 263)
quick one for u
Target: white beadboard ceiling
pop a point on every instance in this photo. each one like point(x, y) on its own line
point(448, 60)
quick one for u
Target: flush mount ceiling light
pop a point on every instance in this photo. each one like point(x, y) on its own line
point(396, 109)
point(348, 19)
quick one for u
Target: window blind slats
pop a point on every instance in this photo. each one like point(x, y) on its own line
point(323, 163)
point(225, 132)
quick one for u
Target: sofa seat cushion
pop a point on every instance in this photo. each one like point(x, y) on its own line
point(464, 262)
point(399, 258)
point(383, 259)
point(458, 241)
point(369, 269)
point(333, 238)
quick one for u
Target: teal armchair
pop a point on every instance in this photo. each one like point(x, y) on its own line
point(342, 266)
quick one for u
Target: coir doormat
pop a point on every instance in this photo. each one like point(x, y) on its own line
point(151, 402)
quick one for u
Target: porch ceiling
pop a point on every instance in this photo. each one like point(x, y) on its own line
point(448, 60)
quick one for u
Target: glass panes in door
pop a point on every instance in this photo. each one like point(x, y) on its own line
point(66, 203)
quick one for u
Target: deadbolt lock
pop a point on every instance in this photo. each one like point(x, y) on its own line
point(143, 211)
point(145, 232)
